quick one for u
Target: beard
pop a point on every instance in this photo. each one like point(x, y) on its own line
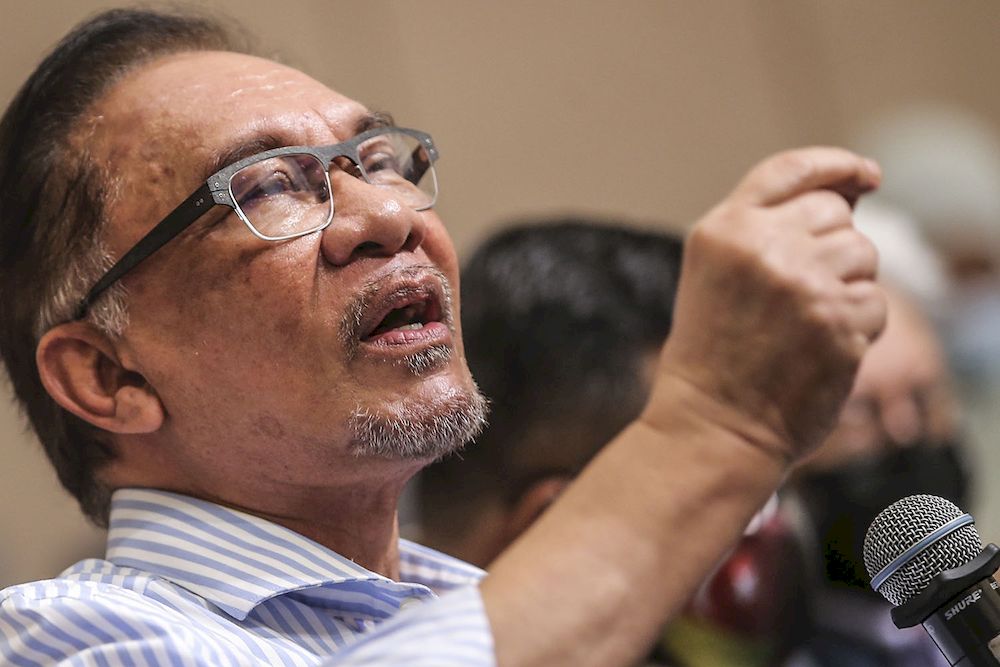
point(420, 429)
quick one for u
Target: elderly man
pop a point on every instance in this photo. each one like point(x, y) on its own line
point(230, 311)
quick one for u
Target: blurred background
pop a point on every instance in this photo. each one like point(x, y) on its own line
point(646, 110)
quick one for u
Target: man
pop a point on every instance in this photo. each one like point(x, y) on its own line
point(563, 321)
point(276, 371)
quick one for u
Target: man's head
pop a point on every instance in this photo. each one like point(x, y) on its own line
point(244, 366)
point(563, 323)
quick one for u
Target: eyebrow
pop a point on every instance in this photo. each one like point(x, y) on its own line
point(244, 149)
point(374, 119)
point(268, 141)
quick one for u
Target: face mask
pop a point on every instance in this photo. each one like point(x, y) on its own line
point(842, 503)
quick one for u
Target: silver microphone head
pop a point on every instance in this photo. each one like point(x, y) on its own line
point(915, 539)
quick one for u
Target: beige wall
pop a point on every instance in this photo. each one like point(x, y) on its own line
point(643, 108)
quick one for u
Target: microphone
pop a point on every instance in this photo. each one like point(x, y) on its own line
point(925, 557)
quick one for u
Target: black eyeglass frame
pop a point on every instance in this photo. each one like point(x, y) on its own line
point(216, 191)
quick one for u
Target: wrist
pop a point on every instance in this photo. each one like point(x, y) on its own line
point(677, 402)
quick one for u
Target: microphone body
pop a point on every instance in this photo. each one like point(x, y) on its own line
point(967, 628)
point(925, 556)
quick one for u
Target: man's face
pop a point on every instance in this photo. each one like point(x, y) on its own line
point(273, 359)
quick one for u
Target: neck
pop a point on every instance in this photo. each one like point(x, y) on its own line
point(359, 523)
point(357, 519)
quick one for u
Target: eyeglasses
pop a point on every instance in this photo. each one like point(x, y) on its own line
point(285, 193)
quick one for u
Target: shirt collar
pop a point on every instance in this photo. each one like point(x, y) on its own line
point(236, 560)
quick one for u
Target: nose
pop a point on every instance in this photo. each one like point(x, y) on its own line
point(368, 221)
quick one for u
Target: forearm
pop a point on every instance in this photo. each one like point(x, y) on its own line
point(628, 543)
point(775, 308)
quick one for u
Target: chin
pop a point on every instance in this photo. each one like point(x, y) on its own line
point(428, 360)
point(440, 416)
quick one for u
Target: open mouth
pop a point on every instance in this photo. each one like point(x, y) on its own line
point(404, 312)
point(400, 314)
point(416, 312)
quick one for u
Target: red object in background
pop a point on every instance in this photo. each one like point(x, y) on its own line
point(748, 611)
point(758, 590)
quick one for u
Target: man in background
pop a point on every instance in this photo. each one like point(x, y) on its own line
point(564, 322)
point(564, 318)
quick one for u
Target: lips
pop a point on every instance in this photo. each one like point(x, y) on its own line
point(412, 313)
point(405, 309)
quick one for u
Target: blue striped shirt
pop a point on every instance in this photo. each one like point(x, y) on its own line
point(187, 582)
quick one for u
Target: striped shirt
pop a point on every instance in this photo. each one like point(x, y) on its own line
point(188, 582)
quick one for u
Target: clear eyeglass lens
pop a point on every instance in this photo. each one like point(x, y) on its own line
point(289, 194)
point(400, 163)
point(284, 195)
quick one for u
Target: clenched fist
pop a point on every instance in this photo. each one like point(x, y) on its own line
point(777, 302)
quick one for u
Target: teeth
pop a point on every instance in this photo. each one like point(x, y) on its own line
point(410, 327)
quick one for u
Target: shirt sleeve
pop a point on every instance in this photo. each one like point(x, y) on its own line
point(450, 631)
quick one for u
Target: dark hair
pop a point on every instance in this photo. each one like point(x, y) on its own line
point(52, 210)
point(560, 318)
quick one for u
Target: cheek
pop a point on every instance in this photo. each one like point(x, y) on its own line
point(232, 341)
point(218, 301)
point(440, 251)
point(439, 248)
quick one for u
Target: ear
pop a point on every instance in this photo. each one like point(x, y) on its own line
point(80, 368)
point(532, 503)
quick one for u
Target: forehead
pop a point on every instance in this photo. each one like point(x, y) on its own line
point(203, 102)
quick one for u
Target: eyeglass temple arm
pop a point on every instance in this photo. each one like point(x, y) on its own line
point(176, 222)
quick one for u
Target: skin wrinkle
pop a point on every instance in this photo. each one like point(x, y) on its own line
point(168, 126)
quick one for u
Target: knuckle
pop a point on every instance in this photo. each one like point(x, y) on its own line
point(724, 225)
point(796, 165)
point(827, 206)
point(822, 315)
point(702, 234)
point(814, 207)
point(866, 249)
point(823, 297)
point(794, 284)
point(727, 214)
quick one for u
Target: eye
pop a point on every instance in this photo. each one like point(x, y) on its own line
point(380, 161)
point(284, 176)
point(394, 160)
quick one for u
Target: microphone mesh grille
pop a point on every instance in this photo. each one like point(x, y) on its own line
point(904, 523)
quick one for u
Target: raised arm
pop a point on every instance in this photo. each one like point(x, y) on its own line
point(775, 309)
